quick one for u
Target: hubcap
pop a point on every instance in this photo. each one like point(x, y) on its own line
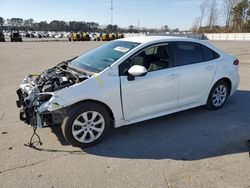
point(219, 95)
point(88, 127)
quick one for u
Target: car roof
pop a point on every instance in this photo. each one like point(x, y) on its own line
point(144, 40)
point(149, 39)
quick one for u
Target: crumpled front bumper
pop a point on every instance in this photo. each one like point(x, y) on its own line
point(39, 109)
point(28, 113)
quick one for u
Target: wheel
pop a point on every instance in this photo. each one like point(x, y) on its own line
point(218, 96)
point(86, 124)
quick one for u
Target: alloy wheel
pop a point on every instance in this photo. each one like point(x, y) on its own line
point(88, 126)
point(219, 95)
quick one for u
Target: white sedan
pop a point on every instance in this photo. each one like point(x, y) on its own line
point(127, 81)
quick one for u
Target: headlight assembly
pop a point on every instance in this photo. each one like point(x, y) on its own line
point(55, 103)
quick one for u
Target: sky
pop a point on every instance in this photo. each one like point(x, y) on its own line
point(149, 13)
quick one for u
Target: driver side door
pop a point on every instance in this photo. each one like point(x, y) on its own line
point(154, 93)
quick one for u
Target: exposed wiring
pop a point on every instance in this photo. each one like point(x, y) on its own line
point(31, 144)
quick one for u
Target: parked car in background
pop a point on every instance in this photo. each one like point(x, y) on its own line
point(15, 36)
point(2, 38)
point(85, 36)
point(79, 36)
point(75, 36)
point(127, 81)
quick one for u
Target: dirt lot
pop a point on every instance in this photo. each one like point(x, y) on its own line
point(194, 148)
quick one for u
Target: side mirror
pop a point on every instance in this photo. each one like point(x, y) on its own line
point(136, 70)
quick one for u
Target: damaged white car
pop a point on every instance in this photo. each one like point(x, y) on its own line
point(127, 81)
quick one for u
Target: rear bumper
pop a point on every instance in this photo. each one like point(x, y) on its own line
point(235, 83)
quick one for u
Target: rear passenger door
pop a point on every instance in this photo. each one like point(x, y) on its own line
point(198, 65)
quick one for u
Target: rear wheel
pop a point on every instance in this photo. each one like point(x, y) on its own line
point(218, 95)
point(86, 124)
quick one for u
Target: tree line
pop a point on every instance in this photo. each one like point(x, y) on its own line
point(73, 26)
point(236, 14)
point(55, 25)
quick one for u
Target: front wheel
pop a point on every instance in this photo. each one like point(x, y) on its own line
point(86, 124)
point(218, 96)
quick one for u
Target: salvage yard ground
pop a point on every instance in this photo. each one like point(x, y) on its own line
point(194, 148)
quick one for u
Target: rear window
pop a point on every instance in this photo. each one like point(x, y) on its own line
point(209, 54)
point(189, 53)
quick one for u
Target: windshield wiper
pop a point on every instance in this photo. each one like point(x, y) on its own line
point(80, 70)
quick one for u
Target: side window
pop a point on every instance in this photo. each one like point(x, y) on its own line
point(144, 57)
point(189, 53)
point(153, 59)
point(150, 51)
point(209, 54)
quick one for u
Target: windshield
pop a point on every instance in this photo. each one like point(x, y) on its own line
point(100, 58)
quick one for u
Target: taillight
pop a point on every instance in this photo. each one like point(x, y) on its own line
point(236, 62)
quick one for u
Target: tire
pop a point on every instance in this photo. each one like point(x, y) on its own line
point(78, 126)
point(218, 95)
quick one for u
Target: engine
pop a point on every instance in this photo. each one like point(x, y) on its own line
point(55, 78)
point(37, 89)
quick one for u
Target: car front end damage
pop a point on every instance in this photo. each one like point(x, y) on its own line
point(38, 97)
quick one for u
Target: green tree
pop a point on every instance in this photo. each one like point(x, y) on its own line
point(131, 28)
point(166, 28)
point(213, 14)
point(1, 21)
point(227, 8)
point(56, 25)
point(93, 26)
point(240, 16)
point(112, 28)
point(176, 30)
point(203, 8)
point(41, 26)
point(29, 23)
point(15, 22)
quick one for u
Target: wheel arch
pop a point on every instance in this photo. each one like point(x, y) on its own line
point(99, 103)
point(228, 81)
point(225, 79)
point(207, 103)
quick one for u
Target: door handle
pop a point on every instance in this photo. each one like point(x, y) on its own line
point(172, 76)
point(209, 68)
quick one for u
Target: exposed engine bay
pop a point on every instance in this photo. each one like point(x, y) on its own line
point(35, 90)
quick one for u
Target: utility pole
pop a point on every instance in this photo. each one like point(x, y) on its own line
point(111, 11)
point(139, 25)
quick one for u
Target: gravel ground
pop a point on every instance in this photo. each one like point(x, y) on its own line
point(194, 148)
